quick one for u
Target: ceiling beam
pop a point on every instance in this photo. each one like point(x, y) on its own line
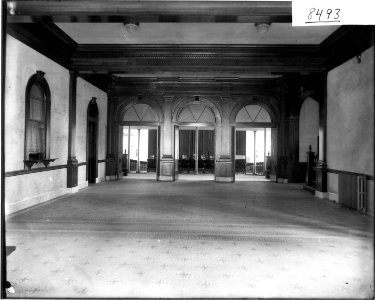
point(149, 11)
point(212, 60)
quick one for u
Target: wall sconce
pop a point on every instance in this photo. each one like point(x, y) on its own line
point(12, 7)
point(262, 28)
point(359, 58)
point(131, 27)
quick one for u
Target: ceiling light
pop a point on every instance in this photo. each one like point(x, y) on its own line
point(12, 7)
point(131, 27)
point(262, 28)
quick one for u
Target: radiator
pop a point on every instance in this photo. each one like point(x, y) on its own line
point(361, 193)
point(353, 191)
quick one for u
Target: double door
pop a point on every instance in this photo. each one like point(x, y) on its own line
point(194, 149)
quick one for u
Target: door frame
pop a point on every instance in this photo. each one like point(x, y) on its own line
point(197, 127)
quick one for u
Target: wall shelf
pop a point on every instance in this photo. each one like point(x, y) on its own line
point(46, 162)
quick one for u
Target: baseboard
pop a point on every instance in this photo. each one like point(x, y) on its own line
point(29, 202)
point(72, 190)
point(99, 179)
point(333, 197)
point(165, 178)
point(224, 179)
point(83, 184)
point(321, 195)
point(309, 188)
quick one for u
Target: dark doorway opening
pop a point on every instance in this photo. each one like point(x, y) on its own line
point(92, 135)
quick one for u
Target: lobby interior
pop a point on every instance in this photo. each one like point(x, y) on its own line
point(185, 149)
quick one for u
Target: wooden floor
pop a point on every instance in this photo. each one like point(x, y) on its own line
point(143, 238)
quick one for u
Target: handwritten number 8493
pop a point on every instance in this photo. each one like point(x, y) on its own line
point(330, 13)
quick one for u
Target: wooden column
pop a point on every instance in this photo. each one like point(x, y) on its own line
point(72, 162)
point(321, 169)
point(112, 132)
point(139, 143)
point(196, 150)
point(224, 167)
point(293, 170)
point(167, 161)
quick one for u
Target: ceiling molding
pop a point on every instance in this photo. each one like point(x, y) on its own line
point(204, 86)
point(346, 43)
point(195, 58)
point(151, 11)
point(46, 38)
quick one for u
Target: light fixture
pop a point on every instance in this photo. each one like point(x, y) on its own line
point(131, 27)
point(359, 58)
point(262, 28)
point(12, 7)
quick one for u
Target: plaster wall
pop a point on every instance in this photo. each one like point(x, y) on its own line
point(308, 127)
point(25, 190)
point(350, 121)
point(85, 92)
point(31, 189)
point(21, 63)
point(350, 116)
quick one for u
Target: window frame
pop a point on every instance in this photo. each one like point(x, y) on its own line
point(38, 79)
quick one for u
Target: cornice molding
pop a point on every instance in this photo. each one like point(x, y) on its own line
point(345, 43)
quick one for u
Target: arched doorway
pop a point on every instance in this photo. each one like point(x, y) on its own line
point(252, 141)
point(195, 139)
point(92, 135)
point(140, 142)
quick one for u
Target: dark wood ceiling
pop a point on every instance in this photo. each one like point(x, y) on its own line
point(150, 11)
point(32, 23)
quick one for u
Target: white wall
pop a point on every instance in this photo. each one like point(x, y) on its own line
point(350, 119)
point(350, 111)
point(22, 62)
point(308, 127)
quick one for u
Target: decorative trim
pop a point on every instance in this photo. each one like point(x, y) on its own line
point(321, 195)
point(36, 170)
point(165, 178)
point(368, 177)
point(224, 179)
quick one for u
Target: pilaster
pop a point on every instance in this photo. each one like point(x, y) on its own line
point(167, 162)
point(72, 162)
point(224, 165)
point(321, 168)
point(112, 133)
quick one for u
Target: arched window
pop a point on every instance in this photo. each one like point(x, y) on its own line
point(37, 118)
point(253, 114)
point(196, 113)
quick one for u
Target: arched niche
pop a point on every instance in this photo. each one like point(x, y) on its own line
point(253, 114)
point(308, 127)
point(189, 110)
